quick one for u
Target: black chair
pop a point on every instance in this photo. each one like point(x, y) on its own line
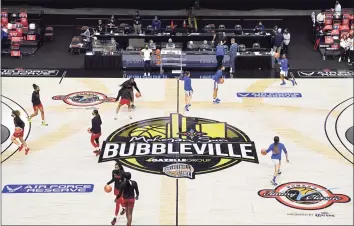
point(238, 30)
point(149, 30)
point(168, 29)
point(242, 48)
point(221, 27)
point(256, 45)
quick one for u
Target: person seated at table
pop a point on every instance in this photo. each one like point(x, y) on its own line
point(156, 24)
point(112, 21)
point(191, 46)
point(259, 28)
point(170, 44)
point(100, 26)
point(113, 42)
point(85, 32)
point(151, 44)
point(205, 46)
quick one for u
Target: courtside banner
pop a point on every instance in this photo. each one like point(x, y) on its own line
point(335, 73)
point(30, 73)
point(47, 188)
point(268, 95)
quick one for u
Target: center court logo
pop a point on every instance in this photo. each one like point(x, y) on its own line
point(178, 146)
point(84, 98)
point(304, 196)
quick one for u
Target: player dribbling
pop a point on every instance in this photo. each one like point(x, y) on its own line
point(117, 177)
point(95, 131)
point(37, 105)
point(276, 148)
point(188, 90)
point(19, 132)
point(216, 80)
point(125, 95)
point(130, 191)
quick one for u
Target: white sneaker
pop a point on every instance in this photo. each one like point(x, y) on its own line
point(340, 59)
point(348, 60)
point(148, 74)
point(115, 118)
point(144, 74)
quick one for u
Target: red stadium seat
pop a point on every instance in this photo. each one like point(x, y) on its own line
point(336, 26)
point(346, 16)
point(328, 22)
point(24, 22)
point(335, 32)
point(329, 40)
point(328, 28)
point(345, 22)
point(344, 28)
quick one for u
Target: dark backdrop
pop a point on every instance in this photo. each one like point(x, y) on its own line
point(182, 4)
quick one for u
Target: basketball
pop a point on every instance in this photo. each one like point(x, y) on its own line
point(137, 95)
point(263, 151)
point(221, 81)
point(107, 188)
point(89, 130)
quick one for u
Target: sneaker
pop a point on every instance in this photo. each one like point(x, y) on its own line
point(44, 124)
point(26, 151)
point(340, 59)
point(133, 106)
point(20, 148)
point(122, 212)
point(29, 119)
point(144, 74)
point(189, 105)
point(115, 118)
point(130, 117)
point(148, 74)
point(283, 83)
point(186, 108)
point(218, 100)
point(279, 173)
point(273, 183)
point(293, 82)
point(113, 222)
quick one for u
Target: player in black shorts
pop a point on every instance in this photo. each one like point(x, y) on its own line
point(130, 191)
point(125, 95)
point(130, 83)
point(117, 178)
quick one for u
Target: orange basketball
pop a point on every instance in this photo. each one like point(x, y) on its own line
point(137, 95)
point(221, 81)
point(263, 151)
point(107, 188)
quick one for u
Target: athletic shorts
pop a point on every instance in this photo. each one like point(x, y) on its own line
point(128, 203)
point(35, 107)
point(124, 102)
point(18, 134)
point(188, 92)
point(216, 84)
point(276, 161)
point(284, 73)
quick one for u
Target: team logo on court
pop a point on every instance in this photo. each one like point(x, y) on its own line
point(178, 146)
point(304, 196)
point(84, 98)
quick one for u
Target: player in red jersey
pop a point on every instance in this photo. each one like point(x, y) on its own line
point(19, 132)
point(95, 131)
point(37, 105)
point(130, 83)
point(125, 95)
point(128, 189)
point(117, 178)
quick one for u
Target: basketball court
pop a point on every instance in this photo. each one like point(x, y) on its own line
point(214, 188)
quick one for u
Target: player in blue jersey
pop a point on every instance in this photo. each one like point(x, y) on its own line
point(284, 69)
point(277, 148)
point(216, 80)
point(188, 90)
